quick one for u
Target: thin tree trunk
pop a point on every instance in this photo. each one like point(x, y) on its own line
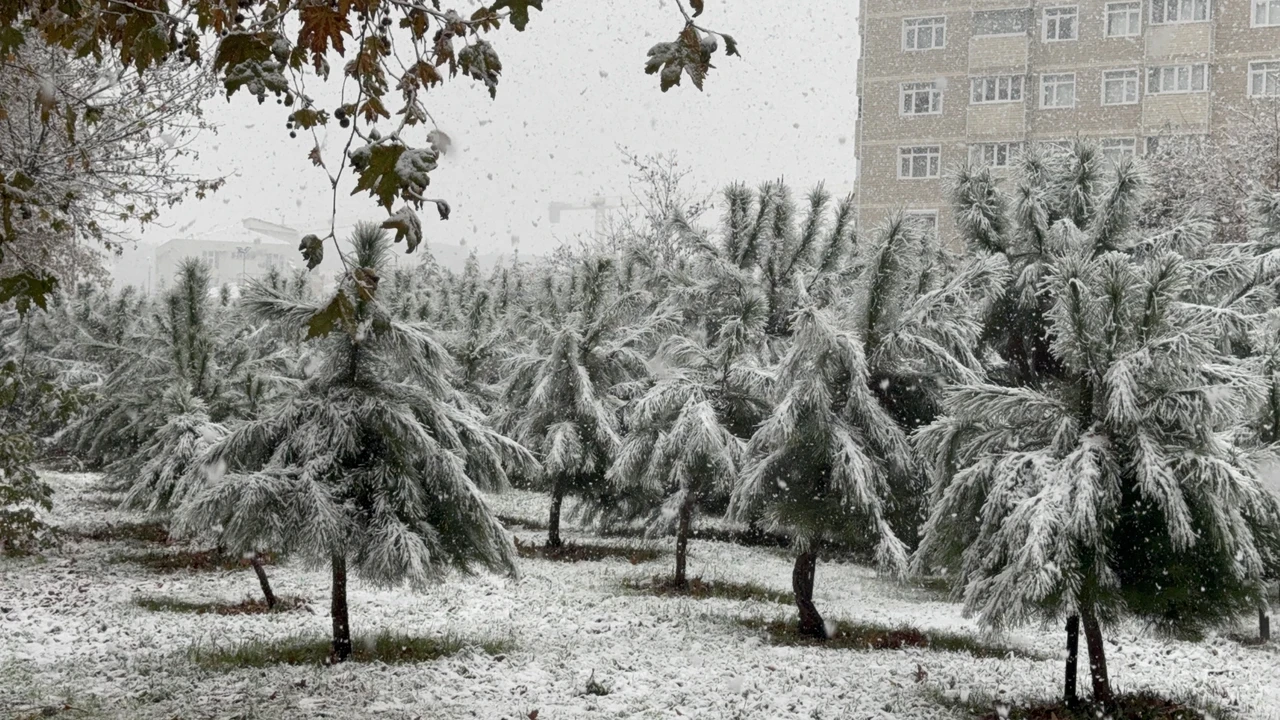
point(1097, 660)
point(682, 542)
point(338, 609)
point(1264, 625)
point(802, 576)
point(553, 525)
point(256, 562)
point(1073, 656)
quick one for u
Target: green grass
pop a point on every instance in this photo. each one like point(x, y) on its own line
point(575, 552)
point(385, 647)
point(699, 589)
point(870, 636)
point(251, 606)
point(147, 532)
point(189, 560)
point(1135, 706)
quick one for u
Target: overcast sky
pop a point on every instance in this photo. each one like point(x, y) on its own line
point(573, 88)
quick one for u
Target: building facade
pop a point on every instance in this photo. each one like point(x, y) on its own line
point(944, 81)
point(230, 262)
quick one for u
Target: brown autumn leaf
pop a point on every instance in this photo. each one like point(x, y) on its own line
point(697, 6)
point(315, 157)
point(322, 27)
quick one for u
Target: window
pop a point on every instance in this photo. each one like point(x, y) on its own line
point(1058, 91)
point(1119, 87)
point(1153, 144)
point(925, 220)
point(1264, 79)
point(1124, 19)
point(1179, 11)
point(1061, 23)
point(1001, 22)
point(997, 154)
point(1178, 79)
point(921, 161)
point(924, 33)
point(1116, 149)
point(920, 98)
point(1266, 12)
point(996, 89)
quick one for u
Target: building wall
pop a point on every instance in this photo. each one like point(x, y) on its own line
point(228, 261)
point(1227, 42)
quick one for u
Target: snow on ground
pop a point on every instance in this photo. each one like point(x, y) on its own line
point(69, 633)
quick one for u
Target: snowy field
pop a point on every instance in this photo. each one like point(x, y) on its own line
point(70, 635)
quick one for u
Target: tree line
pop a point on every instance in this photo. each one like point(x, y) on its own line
point(1069, 418)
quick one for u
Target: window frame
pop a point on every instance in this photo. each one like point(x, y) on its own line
point(1271, 7)
point(1132, 147)
point(1191, 89)
point(1012, 148)
point(935, 97)
point(1044, 81)
point(1020, 81)
point(1136, 76)
point(1075, 24)
point(1165, 4)
point(1275, 70)
point(924, 214)
point(1134, 9)
point(930, 151)
point(934, 26)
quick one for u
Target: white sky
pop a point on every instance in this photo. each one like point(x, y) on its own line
point(573, 88)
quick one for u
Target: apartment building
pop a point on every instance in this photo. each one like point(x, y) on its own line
point(942, 81)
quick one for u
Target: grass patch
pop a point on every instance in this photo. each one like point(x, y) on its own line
point(1136, 706)
point(574, 552)
point(146, 532)
point(190, 560)
point(251, 606)
point(699, 589)
point(385, 647)
point(867, 636)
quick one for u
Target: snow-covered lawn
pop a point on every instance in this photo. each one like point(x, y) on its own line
point(70, 634)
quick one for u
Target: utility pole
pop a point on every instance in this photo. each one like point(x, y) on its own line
point(243, 253)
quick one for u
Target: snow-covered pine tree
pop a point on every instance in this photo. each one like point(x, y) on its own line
point(1107, 478)
point(685, 443)
point(561, 399)
point(374, 463)
point(823, 460)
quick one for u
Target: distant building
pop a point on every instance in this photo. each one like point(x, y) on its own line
point(260, 247)
point(941, 81)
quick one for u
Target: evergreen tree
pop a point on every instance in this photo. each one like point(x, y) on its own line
point(1108, 476)
point(562, 400)
point(685, 443)
point(374, 462)
point(823, 461)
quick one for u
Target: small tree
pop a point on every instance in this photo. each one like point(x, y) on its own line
point(374, 462)
point(685, 447)
point(824, 459)
point(561, 400)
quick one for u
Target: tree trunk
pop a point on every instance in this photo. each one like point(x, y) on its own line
point(256, 562)
point(811, 624)
point(1073, 654)
point(1264, 625)
point(1097, 660)
point(338, 609)
point(553, 524)
point(682, 542)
